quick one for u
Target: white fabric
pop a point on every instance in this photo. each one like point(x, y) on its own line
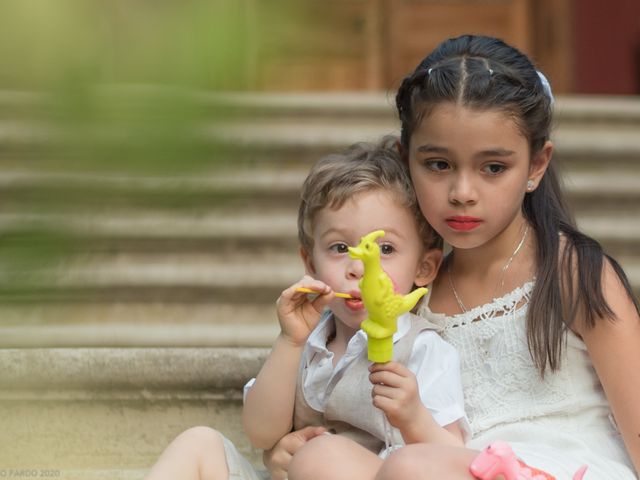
point(434, 362)
point(239, 467)
point(555, 423)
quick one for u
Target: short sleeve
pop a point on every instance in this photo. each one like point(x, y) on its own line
point(247, 387)
point(436, 365)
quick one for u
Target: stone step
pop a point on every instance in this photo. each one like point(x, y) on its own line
point(176, 278)
point(245, 272)
point(574, 109)
point(252, 230)
point(594, 191)
point(569, 109)
point(223, 190)
point(108, 409)
point(286, 144)
point(595, 150)
point(289, 128)
point(141, 324)
point(608, 111)
point(262, 142)
point(122, 333)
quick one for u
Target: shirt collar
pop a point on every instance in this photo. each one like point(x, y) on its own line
point(318, 339)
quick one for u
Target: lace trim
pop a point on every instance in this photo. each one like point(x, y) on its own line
point(508, 304)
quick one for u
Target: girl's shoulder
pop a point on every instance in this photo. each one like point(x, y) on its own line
point(623, 310)
point(593, 284)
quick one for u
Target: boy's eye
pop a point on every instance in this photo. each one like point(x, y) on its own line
point(386, 249)
point(494, 168)
point(339, 248)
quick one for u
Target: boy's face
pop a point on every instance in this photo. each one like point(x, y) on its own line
point(402, 253)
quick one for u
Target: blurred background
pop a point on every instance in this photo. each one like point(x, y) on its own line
point(151, 154)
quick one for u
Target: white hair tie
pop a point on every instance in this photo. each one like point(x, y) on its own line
point(546, 86)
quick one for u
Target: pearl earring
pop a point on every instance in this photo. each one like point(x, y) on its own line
point(530, 185)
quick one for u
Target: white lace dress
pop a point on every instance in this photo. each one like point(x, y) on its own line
point(555, 423)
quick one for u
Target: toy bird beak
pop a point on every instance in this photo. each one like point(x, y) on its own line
point(355, 252)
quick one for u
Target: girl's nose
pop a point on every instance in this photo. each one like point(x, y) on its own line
point(462, 190)
point(355, 269)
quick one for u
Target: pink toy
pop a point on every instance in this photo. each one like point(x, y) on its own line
point(499, 459)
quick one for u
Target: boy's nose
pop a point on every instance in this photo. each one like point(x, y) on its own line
point(355, 269)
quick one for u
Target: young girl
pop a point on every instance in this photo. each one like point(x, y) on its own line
point(545, 323)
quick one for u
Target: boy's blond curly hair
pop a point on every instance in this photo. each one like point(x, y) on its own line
point(360, 168)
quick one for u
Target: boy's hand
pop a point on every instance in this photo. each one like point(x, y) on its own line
point(298, 314)
point(395, 392)
point(278, 458)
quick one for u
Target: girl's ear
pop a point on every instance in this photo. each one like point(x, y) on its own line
point(539, 164)
point(428, 268)
point(308, 261)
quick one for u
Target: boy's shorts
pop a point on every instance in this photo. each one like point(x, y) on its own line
point(239, 467)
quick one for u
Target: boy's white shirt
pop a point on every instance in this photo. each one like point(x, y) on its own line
point(433, 361)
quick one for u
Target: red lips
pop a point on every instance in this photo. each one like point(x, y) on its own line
point(355, 304)
point(463, 223)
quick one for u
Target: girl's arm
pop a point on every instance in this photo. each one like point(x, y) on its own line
point(614, 348)
point(268, 410)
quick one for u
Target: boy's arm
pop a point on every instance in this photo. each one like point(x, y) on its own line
point(424, 429)
point(268, 410)
point(396, 393)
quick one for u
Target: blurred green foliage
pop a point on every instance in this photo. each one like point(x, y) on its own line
point(107, 88)
point(60, 44)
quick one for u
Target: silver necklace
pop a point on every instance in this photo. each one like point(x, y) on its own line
point(503, 271)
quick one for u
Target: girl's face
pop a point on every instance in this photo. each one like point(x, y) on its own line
point(402, 254)
point(470, 170)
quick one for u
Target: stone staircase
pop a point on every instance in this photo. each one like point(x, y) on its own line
point(167, 311)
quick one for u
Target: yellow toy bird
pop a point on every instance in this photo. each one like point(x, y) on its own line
point(382, 303)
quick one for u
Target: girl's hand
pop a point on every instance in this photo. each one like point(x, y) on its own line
point(395, 392)
point(298, 314)
point(278, 458)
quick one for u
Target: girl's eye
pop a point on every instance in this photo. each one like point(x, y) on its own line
point(339, 248)
point(437, 165)
point(386, 249)
point(494, 168)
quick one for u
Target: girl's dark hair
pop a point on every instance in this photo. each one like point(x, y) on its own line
point(485, 73)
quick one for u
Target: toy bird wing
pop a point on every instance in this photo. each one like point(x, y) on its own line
point(411, 299)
